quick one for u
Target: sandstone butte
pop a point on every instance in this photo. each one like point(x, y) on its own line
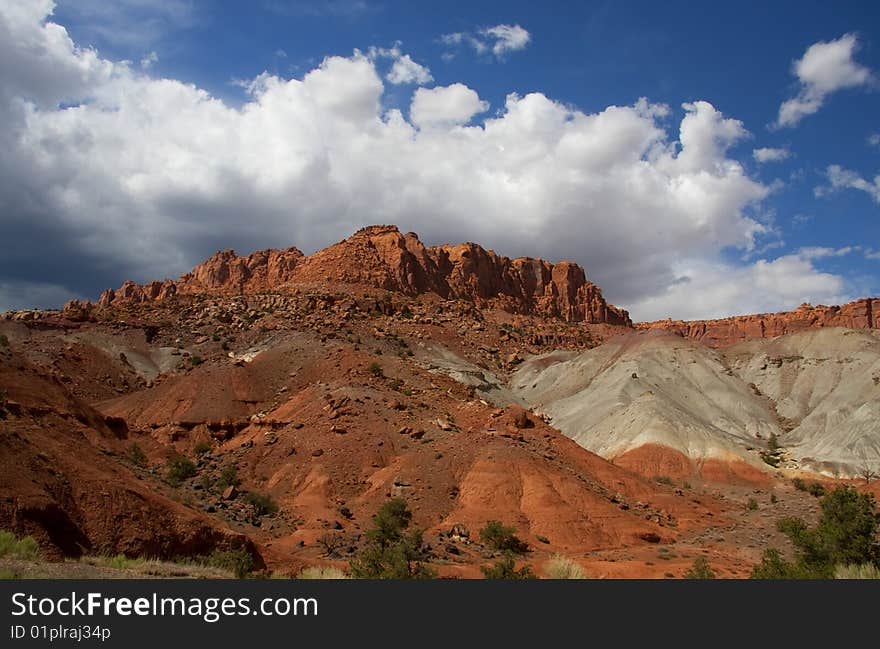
point(861, 314)
point(381, 256)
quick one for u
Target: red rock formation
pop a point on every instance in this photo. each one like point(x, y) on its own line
point(383, 257)
point(861, 314)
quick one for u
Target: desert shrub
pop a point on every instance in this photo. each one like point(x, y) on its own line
point(262, 503)
point(502, 538)
point(772, 443)
point(393, 551)
point(700, 570)
point(816, 489)
point(195, 359)
point(136, 455)
point(560, 567)
point(505, 568)
point(9, 574)
point(752, 505)
point(4, 341)
point(799, 484)
point(25, 548)
point(239, 562)
point(228, 477)
point(322, 572)
point(202, 448)
point(863, 571)
point(773, 499)
point(118, 562)
point(664, 479)
point(771, 458)
point(376, 370)
point(846, 534)
point(180, 469)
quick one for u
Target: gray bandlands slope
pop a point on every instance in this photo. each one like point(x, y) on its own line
point(827, 383)
point(649, 389)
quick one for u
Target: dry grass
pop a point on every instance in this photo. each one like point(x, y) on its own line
point(322, 572)
point(864, 571)
point(560, 567)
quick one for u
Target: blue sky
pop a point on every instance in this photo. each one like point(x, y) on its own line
point(702, 200)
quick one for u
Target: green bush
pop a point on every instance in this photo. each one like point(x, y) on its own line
point(393, 551)
point(180, 469)
point(202, 448)
point(752, 505)
point(239, 562)
point(262, 503)
point(25, 548)
point(816, 489)
point(195, 359)
point(228, 477)
point(700, 570)
point(136, 455)
point(560, 567)
point(846, 534)
point(505, 568)
point(502, 538)
point(799, 484)
point(376, 370)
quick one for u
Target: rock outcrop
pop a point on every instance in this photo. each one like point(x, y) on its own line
point(383, 257)
point(861, 314)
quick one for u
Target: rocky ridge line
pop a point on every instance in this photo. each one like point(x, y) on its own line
point(384, 258)
point(861, 314)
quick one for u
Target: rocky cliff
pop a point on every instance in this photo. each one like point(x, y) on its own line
point(384, 258)
point(861, 314)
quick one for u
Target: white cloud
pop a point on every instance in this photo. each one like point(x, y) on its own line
point(823, 252)
point(825, 68)
point(508, 38)
point(840, 178)
point(445, 105)
point(767, 154)
point(499, 40)
point(143, 178)
point(874, 139)
point(149, 60)
point(404, 69)
point(713, 290)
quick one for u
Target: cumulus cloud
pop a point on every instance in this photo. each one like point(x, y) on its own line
point(403, 69)
point(840, 178)
point(445, 105)
point(706, 290)
point(767, 154)
point(499, 40)
point(507, 38)
point(107, 173)
point(825, 68)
